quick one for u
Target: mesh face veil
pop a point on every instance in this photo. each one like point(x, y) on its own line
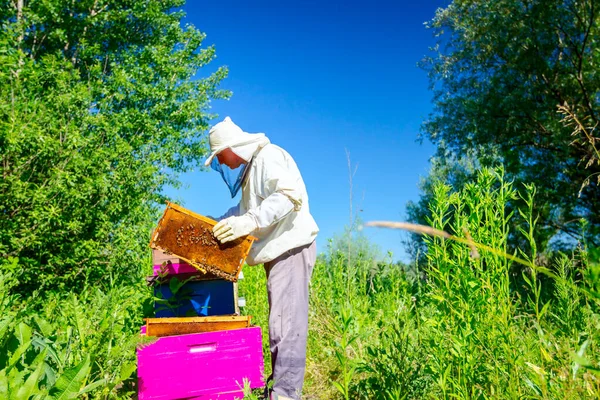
point(233, 177)
point(225, 135)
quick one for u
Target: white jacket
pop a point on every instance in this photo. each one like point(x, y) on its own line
point(273, 193)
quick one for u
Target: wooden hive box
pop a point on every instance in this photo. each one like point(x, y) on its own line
point(208, 366)
point(163, 263)
point(189, 298)
point(160, 327)
point(167, 265)
point(189, 237)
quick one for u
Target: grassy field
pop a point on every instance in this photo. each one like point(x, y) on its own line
point(464, 326)
point(467, 322)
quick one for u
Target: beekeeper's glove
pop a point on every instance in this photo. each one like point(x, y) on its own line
point(232, 228)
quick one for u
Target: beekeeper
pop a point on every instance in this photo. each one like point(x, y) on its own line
point(274, 209)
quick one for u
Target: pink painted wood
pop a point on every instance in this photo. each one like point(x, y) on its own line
point(181, 268)
point(174, 264)
point(209, 365)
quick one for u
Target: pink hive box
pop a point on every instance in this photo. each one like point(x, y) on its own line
point(178, 268)
point(172, 264)
point(205, 366)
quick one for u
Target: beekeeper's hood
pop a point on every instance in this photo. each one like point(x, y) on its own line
point(224, 135)
point(227, 134)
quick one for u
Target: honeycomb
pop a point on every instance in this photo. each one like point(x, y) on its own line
point(188, 235)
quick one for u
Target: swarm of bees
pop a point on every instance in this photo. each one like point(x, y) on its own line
point(190, 236)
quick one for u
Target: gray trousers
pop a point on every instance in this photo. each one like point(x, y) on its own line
point(287, 286)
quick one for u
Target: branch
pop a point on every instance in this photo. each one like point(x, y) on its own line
point(93, 12)
point(580, 67)
point(19, 7)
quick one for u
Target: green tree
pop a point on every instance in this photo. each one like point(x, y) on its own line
point(517, 82)
point(98, 112)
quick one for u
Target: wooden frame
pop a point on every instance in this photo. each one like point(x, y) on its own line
point(188, 235)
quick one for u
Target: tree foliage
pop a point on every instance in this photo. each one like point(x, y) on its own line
point(98, 112)
point(517, 82)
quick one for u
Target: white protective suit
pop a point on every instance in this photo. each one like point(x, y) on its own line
point(273, 193)
point(274, 208)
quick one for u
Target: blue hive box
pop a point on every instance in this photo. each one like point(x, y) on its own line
point(177, 298)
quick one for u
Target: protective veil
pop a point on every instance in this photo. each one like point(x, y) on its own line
point(233, 177)
point(227, 134)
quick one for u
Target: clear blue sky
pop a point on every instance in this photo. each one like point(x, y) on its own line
point(321, 78)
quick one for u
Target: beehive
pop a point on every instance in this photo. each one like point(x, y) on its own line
point(188, 235)
point(195, 298)
point(211, 365)
point(167, 265)
point(160, 327)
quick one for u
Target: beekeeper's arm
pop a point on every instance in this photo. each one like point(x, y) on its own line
point(284, 198)
point(233, 211)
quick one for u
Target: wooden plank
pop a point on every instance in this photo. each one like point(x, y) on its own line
point(235, 297)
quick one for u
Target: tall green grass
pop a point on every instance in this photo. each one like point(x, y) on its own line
point(469, 323)
point(67, 345)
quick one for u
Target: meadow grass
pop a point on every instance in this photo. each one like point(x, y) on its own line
point(474, 319)
point(478, 320)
